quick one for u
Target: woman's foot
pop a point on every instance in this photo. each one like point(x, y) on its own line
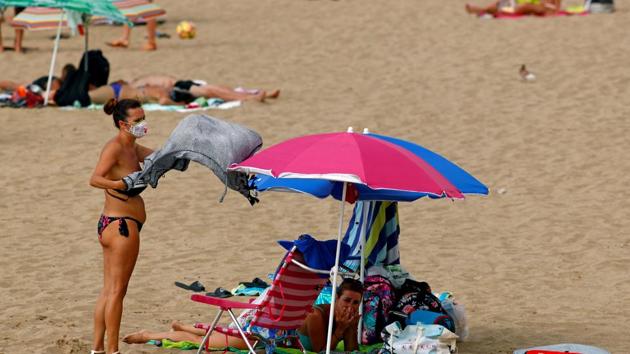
point(136, 338)
point(473, 9)
point(260, 96)
point(149, 47)
point(119, 43)
point(273, 94)
point(177, 326)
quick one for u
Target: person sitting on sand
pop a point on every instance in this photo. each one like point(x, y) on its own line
point(186, 91)
point(312, 333)
point(522, 7)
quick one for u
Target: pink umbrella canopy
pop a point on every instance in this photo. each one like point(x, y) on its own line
point(350, 157)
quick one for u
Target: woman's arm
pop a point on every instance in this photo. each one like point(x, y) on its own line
point(106, 161)
point(350, 340)
point(142, 152)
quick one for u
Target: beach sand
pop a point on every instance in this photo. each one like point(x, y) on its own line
point(543, 259)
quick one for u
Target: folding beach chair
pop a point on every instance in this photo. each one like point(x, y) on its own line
point(281, 312)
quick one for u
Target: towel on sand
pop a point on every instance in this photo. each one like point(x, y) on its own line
point(212, 103)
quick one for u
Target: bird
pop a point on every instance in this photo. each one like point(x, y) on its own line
point(526, 75)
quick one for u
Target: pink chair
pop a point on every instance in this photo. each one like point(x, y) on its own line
point(281, 311)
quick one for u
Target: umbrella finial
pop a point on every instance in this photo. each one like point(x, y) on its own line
point(366, 131)
point(350, 130)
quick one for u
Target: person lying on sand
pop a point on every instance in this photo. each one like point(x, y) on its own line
point(312, 334)
point(522, 7)
point(41, 83)
point(186, 91)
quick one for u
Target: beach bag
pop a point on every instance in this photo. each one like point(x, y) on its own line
point(97, 67)
point(75, 87)
point(378, 299)
point(418, 339)
point(417, 296)
point(429, 317)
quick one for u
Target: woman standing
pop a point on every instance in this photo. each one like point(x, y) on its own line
point(123, 215)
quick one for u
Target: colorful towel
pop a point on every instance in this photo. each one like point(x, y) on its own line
point(362, 349)
point(381, 238)
point(213, 103)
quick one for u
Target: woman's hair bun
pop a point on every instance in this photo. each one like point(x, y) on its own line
point(110, 106)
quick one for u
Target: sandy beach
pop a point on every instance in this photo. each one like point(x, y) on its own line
point(544, 259)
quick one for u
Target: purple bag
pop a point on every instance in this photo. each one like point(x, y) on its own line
point(378, 299)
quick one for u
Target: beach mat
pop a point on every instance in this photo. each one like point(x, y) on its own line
point(151, 107)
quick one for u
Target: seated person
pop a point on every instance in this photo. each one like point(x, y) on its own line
point(312, 334)
point(522, 7)
point(186, 91)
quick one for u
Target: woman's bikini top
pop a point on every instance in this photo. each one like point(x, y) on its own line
point(130, 193)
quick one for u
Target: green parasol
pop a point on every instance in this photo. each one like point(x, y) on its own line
point(88, 8)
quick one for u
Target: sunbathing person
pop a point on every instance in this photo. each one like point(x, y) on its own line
point(186, 91)
point(522, 7)
point(312, 334)
point(41, 83)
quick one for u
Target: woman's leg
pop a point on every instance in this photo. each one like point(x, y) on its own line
point(216, 340)
point(1, 44)
point(530, 9)
point(19, 37)
point(101, 94)
point(175, 336)
point(98, 339)
point(123, 41)
point(225, 93)
point(151, 28)
point(9, 85)
point(121, 253)
point(480, 10)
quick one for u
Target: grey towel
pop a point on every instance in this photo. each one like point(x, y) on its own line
point(209, 141)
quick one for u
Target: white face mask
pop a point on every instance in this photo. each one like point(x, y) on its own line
point(139, 130)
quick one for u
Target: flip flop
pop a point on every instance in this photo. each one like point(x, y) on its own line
point(194, 286)
point(220, 292)
point(256, 283)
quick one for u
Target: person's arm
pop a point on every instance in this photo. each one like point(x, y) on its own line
point(316, 330)
point(106, 161)
point(142, 152)
point(350, 341)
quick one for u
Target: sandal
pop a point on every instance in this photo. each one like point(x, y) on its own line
point(220, 293)
point(194, 286)
point(256, 283)
point(97, 352)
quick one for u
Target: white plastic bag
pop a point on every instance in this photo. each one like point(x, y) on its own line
point(457, 312)
point(418, 339)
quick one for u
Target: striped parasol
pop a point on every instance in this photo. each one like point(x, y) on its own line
point(45, 18)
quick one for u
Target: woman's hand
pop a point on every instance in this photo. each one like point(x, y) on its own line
point(347, 318)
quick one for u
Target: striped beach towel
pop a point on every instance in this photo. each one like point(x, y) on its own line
point(381, 236)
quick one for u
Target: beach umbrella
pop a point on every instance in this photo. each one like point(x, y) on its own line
point(85, 8)
point(320, 188)
point(42, 18)
point(370, 242)
point(349, 159)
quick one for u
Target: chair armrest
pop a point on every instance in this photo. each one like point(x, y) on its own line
point(222, 303)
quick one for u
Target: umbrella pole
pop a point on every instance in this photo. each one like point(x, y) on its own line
point(54, 58)
point(365, 206)
point(336, 270)
point(86, 45)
